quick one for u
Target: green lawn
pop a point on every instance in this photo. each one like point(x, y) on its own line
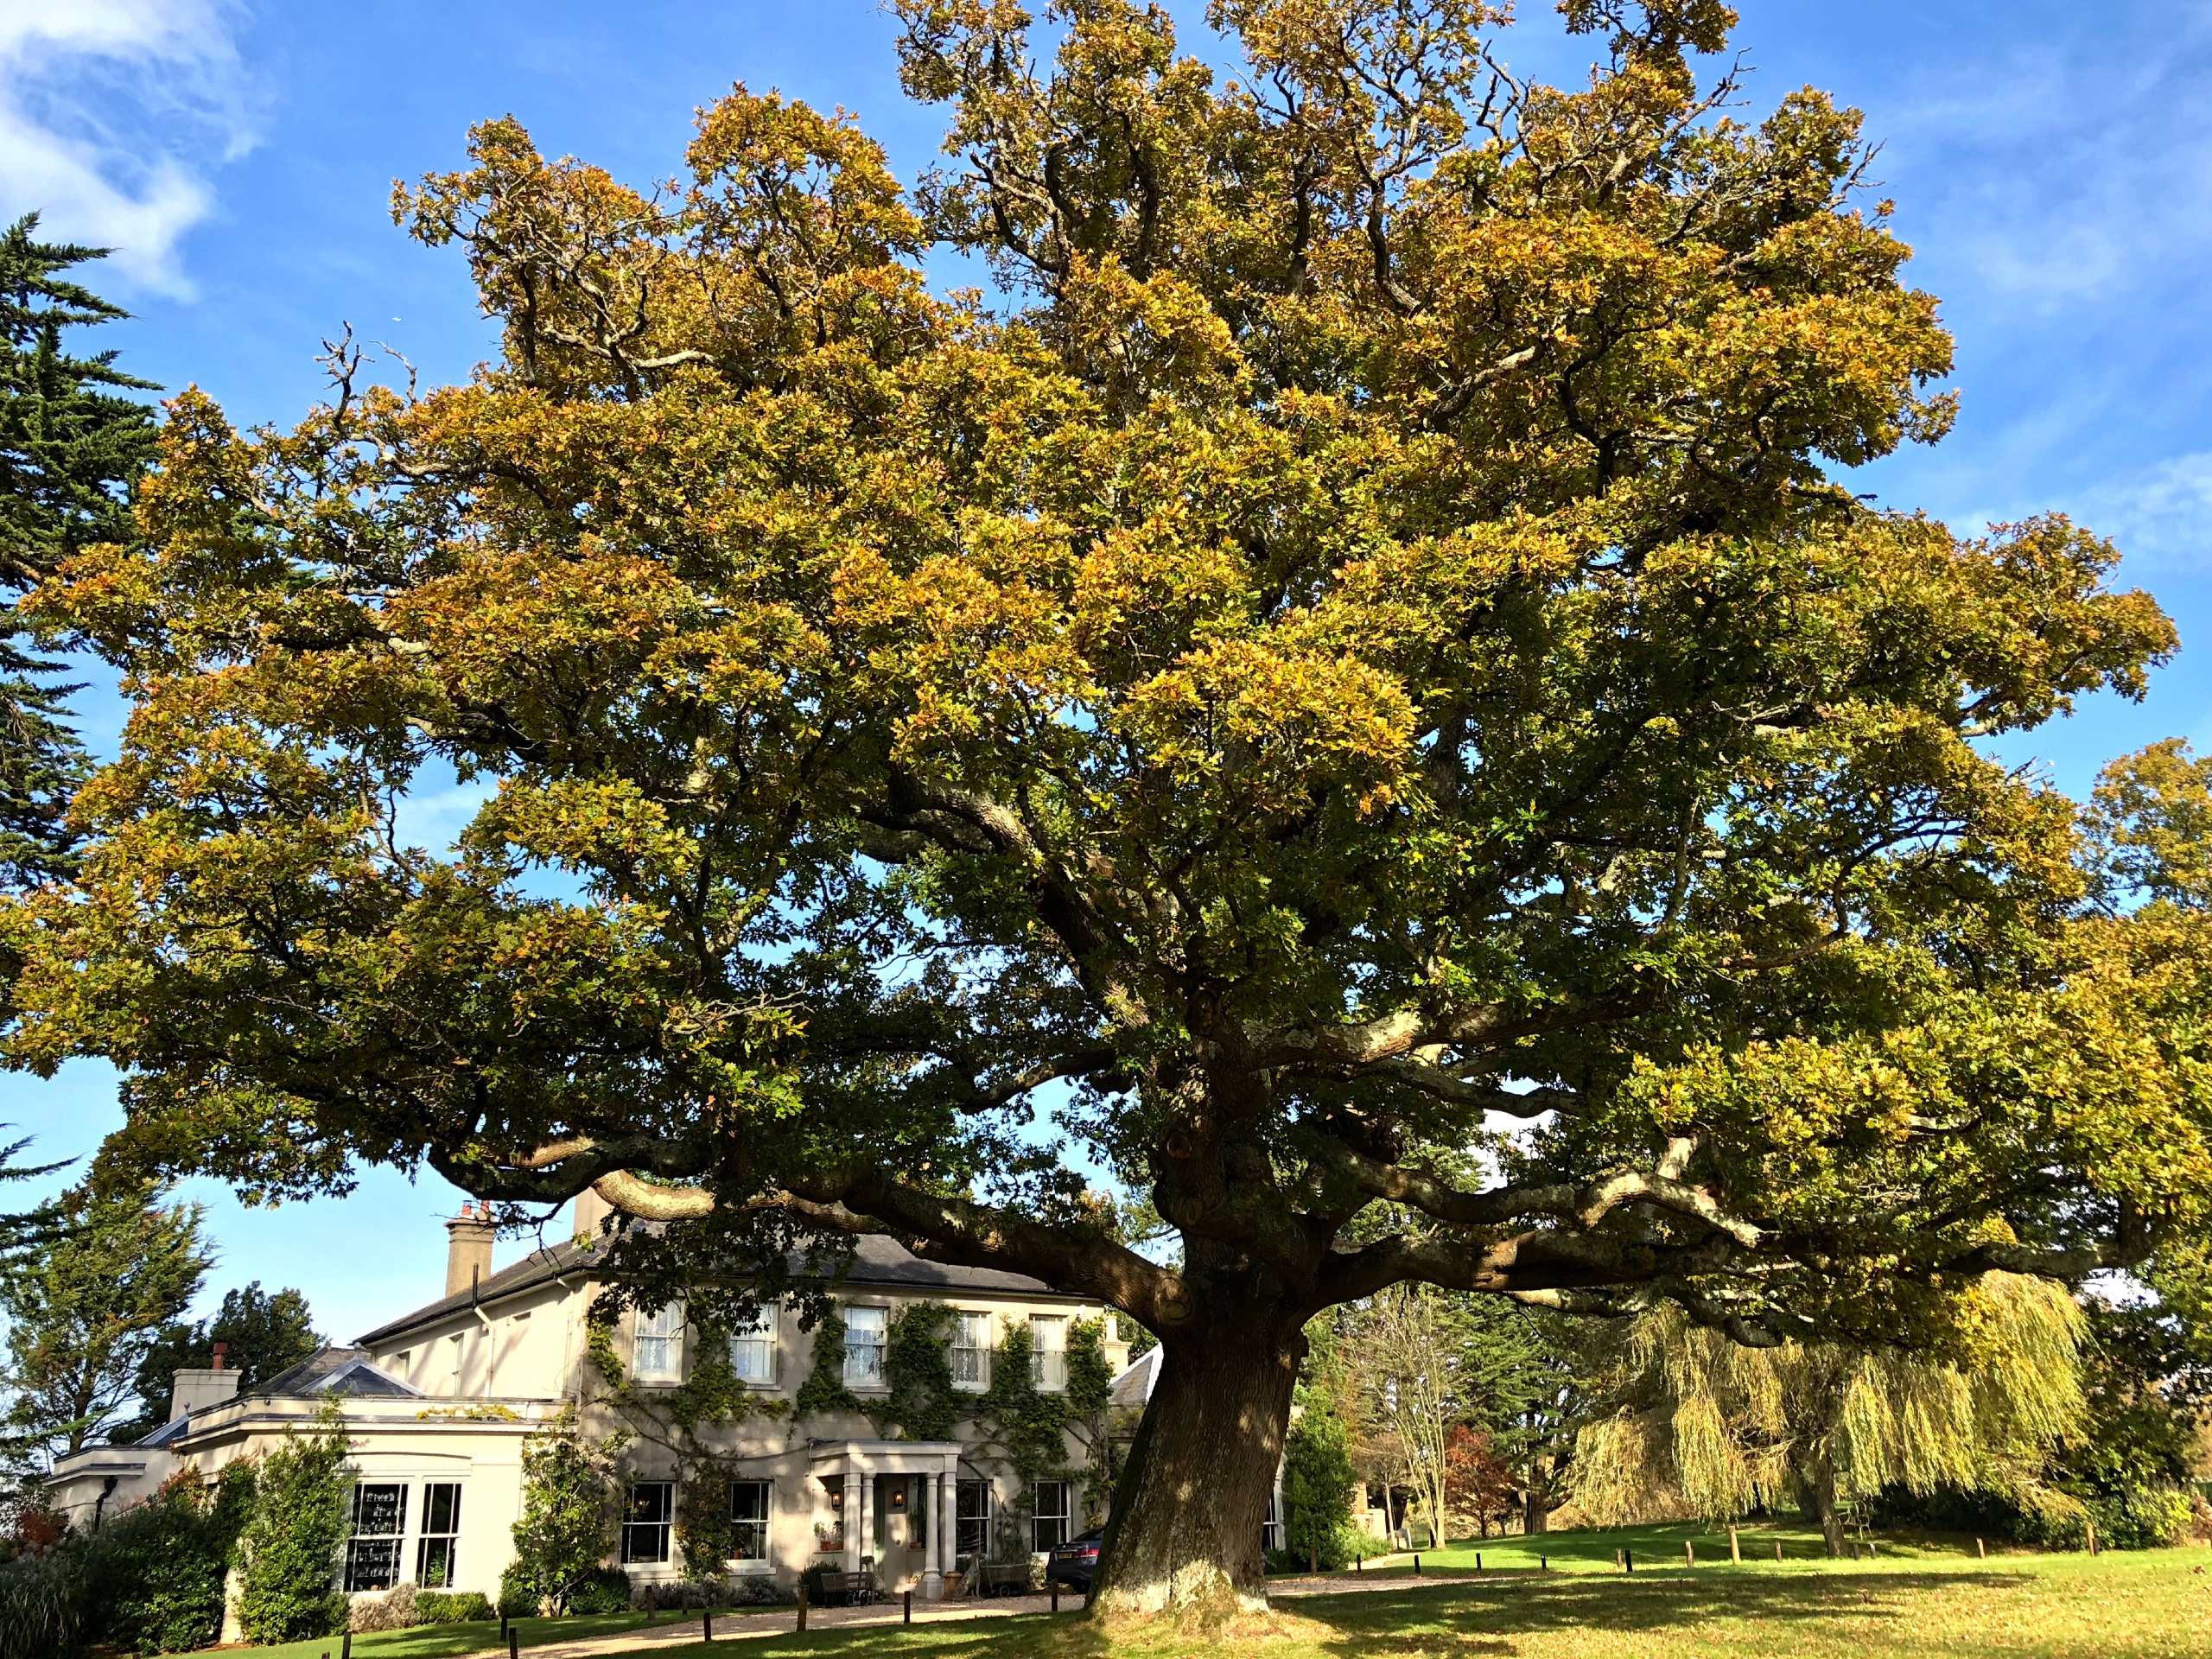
point(1661, 1545)
point(1902, 1605)
point(442, 1641)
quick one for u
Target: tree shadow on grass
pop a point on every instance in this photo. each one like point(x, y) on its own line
point(1475, 1616)
point(1466, 1618)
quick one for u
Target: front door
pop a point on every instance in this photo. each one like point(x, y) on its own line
point(902, 1533)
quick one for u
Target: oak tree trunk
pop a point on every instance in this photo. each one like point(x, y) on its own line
point(1186, 1533)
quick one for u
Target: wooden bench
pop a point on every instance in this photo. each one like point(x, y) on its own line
point(844, 1589)
point(1003, 1579)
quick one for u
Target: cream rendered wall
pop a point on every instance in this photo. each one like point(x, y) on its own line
point(532, 1347)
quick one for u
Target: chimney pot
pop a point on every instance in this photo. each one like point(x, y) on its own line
point(221, 1348)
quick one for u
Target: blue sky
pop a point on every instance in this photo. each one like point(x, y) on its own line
point(2049, 161)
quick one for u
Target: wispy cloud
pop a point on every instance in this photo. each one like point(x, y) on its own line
point(113, 113)
point(2160, 517)
point(2062, 170)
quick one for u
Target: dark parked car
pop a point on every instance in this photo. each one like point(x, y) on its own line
point(1076, 1562)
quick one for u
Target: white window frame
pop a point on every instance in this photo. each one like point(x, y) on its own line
point(758, 1337)
point(458, 1347)
point(1061, 1515)
point(387, 1546)
point(1271, 1523)
point(749, 1535)
point(449, 1536)
point(971, 1350)
point(662, 1328)
point(661, 1529)
point(1048, 1362)
point(870, 1377)
point(961, 1488)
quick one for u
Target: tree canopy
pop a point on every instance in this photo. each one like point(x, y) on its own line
point(261, 1334)
point(85, 1309)
point(1355, 658)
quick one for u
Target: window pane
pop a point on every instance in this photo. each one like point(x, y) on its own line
point(748, 1510)
point(379, 1509)
point(373, 1552)
point(372, 1564)
point(972, 1343)
point(864, 1329)
point(658, 1344)
point(1048, 1522)
point(434, 1564)
point(972, 1519)
point(1048, 1359)
point(441, 1508)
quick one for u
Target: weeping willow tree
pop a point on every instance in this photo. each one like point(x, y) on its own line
point(1697, 1421)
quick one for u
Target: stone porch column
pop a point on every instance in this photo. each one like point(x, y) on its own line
point(852, 1517)
point(865, 1539)
point(948, 1512)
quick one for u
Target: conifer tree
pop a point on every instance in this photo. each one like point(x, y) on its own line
point(73, 440)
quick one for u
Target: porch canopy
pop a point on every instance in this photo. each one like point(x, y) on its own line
point(898, 1494)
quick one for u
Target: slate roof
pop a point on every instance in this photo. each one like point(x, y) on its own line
point(1133, 1387)
point(877, 1259)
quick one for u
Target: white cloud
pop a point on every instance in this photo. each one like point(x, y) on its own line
point(111, 113)
point(2160, 517)
point(2061, 171)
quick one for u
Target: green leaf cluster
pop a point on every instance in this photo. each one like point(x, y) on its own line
point(289, 1548)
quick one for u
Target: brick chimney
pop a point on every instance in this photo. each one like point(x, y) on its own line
point(468, 1249)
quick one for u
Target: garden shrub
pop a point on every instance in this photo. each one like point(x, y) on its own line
point(602, 1590)
point(46, 1602)
point(753, 1591)
point(287, 1553)
point(517, 1591)
point(567, 1526)
point(453, 1606)
point(395, 1609)
point(159, 1568)
point(1316, 1485)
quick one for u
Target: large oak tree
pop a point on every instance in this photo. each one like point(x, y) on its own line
point(1346, 680)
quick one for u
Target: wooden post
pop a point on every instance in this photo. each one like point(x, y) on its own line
point(1616, 1557)
point(1055, 1588)
point(1981, 1550)
point(1543, 1563)
point(1359, 1563)
point(706, 1626)
point(1689, 1553)
point(1312, 1561)
point(345, 1645)
point(802, 1606)
point(1628, 1557)
point(1735, 1546)
point(906, 1607)
point(652, 1602)
point(1777, 1549)
point(514, 1644)
point(2093, 1537)
point(1417, 1563)
point(1479, 1560)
